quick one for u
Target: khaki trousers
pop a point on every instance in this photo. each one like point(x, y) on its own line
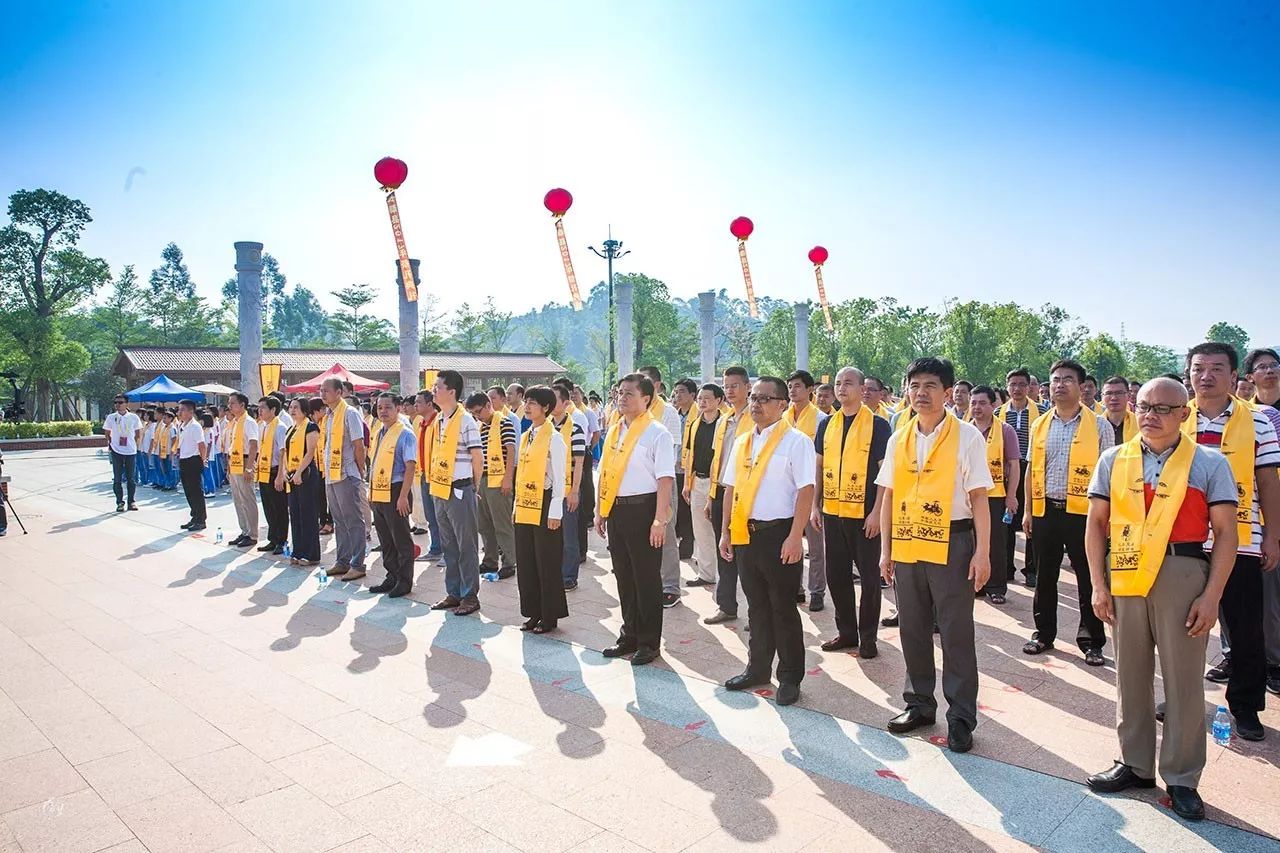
point(1159, 623)
point(705, 540)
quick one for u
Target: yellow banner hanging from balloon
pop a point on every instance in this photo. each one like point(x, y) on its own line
point(746, 278)
point(402, 251)
point(822, 296)
point(269, 376)
point(568, 265)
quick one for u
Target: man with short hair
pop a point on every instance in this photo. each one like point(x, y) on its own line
point(936, 477)
point(1134, 387)
point(123, 430)
point(849, 448)
point(824, 397)
point(243, 448)
point(802, 414)
point(667, 415)
point(1262, 366)
point(393, 458)
point(960, 399)
point(426, 410)
point(571, 426)
point(698, 456)
point(1002, 497)
point(495, 486)
point(455, 462)
point(342, 460)
point(1089, 394)
point(1064, 449)
point(515, 402)
point(1247, 439)
point(193, 458)
point(1020, 412)
point(1115, 408)
point(682, 398)
point(873, 396)
point(734, 424)
point(1163, 594)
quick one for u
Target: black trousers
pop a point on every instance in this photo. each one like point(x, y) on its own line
point(122, 468)
point(1001, 543)
point(191, 472)
point(684, 520)
point(770, 586)
point(1242, 603)
point(586, 506)
point(304, 518)
point(396, 540)
point(323, 516)
point(539, 555)
point(1029, 565)
point(846, 546)
point(1055, 532)
point(726, 570)
point(638, 568)
point(275, 507)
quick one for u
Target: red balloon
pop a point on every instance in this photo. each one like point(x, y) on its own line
point(817, 256)
point(558, 201)
point(390, 172)
point(741, 227)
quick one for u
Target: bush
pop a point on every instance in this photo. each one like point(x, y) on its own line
point(48, 429)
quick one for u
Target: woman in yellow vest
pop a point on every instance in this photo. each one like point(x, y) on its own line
point(299, 477)
point(538, 510)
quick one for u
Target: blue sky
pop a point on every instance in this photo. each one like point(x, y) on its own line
point(1120, 159)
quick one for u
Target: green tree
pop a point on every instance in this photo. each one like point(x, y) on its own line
point(468, 332)
point(1102, 356)
point(178, 315)
point(356, 331)
point(1145, 361)
point(299, 320)
point(497, 326)
point(42, 276)
point(776, 343)
point(1226, 333)
point(119, 319)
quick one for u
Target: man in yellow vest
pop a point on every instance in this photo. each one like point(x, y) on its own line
point(1152, 502)
point(769, 489)
point(243, 445)
point(1115, 408)
point(936, 478)
point(824, 397)
point(802, 414)
point(683, 396)
point(1065, 444)
point(393, 459)
point(850, 447)
point(275, 503)
point(1247, 439)
point(960, 399)
point(342, 461)
point(1002, 461)
point(456, 463)
point(495, 487)
point(736, 422)
point(425, 408)
point(697, 457)
point(1020, 412)
point(666, 414)
point(1089, 394)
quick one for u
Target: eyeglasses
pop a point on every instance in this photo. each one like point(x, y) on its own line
point(1269, 367)
point(761, 399)
point(1158, 408)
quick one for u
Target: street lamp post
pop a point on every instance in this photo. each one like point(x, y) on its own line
point(612, 250)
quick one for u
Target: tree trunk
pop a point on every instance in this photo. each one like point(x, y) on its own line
point(42, 402)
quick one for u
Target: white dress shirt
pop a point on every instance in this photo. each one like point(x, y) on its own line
point(971, 464)
point(123, 429)
point(281, 430)
point(671, 420)
point(189, 437)
point(792, 466)
point(653, 458)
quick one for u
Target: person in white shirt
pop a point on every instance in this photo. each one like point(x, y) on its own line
point(242, 441)
point(637, 484)
point(587, 497)
point(769, 488)
point(123, 430)
point(538, 514)
point(667, 415)
point(193, 456)
point(275, 501)
point(934, 474)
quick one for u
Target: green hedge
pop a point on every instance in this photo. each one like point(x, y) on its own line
point(48, 429)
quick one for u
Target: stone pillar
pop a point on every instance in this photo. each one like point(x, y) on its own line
point(249, 294)
point(410, 372)
point(622, 297)
point(802, 336)
point(707, 332)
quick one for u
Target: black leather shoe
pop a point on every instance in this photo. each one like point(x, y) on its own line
point(1119, 778)
point(837, 644)
point(910, 720)
point(237, 542)
point(400, 591)
point(644, 655)
point(1186, 802)
point(1248, 726)
point(1221, 673)
point(816, 602)
point(270, 546)
point(247, 543)
point(1273, 680)
point(787, 694)
point(186, 526)
point(959, 738)
point(745, 681)
point(1031, 581)
point(799, 598)
point(867, 651)
point(277, 551)
point(617, 650)
point(890, 621)
point(698, 582)
point(193, 528)
point(506, 572)
point(385, 586)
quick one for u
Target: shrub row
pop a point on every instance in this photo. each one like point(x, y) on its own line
point(47, 429)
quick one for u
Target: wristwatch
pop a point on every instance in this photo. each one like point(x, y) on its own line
point(657, 523)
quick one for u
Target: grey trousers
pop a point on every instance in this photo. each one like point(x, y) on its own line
point(1143, 626)
point(456, 516)
point(924, 589)
point(497, 530)
point(1270, 620)
point(817, 567)
point(671, 549)
point(244, 495)
point(347, 505)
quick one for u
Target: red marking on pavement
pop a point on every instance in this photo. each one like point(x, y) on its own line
point(938, 740)
point(1051, 665)
point(889, 774)
point(560, 681)
point(989, 709)
point(1166, 802)
point(731, 628)
point(817, 670)
point(197, 535)
point(476, 645)
point(1009, 688)
point(763, 691)
point(685, 642)
point(693, 727)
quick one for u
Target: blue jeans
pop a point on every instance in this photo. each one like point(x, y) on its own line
point(122, 475)
point(569, 526)
point(433, 527)
point(461, 539)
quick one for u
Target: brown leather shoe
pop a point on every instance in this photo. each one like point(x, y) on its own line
point(467, 607)
point(449, 602)
point(337, 569)
point(353, 575)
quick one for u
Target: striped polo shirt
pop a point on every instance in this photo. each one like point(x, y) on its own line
point(1266, 455)
point(1021, 422)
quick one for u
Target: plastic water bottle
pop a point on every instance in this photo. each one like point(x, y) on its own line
point(1008, 516)
point(322, 579)
point(217, 537)
point(1222, 727)
point(490, 576)
point(288, 550)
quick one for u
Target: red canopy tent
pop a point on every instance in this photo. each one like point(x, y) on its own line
point(362, 384)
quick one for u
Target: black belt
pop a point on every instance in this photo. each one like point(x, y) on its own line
point(755, 526)
point(962, 524)
point(1186, 549)
point(1052, 503)
point(701, 476)
point(461, 484)
point(623, 500)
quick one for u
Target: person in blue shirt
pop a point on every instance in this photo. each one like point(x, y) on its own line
point(391, 505)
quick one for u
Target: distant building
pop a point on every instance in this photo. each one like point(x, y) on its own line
point(199, 365)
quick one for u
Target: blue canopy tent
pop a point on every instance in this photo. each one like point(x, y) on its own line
point(162, 389)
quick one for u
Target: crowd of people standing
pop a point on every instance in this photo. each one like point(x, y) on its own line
point(1157, 494)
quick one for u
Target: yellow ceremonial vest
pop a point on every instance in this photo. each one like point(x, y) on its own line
point(424, 452)
point(806, 421)
point(444, 454)
point(383, 461)
point(1130, 429)
point(658, 408)
point(335, 427)
point(747, 477)
point(1140, 536)
point(495, 462)
point(613, 462)
point(743, 427)
point(1239, 445)
point(266, 449)
point(844, 470)
point(995, 458)
point(295, 447)
point(686, 444)
point(535, 451)
point(237, 445)
point(923, 497)
point(1081, 461)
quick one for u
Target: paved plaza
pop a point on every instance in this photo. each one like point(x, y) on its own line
point(162, 692)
